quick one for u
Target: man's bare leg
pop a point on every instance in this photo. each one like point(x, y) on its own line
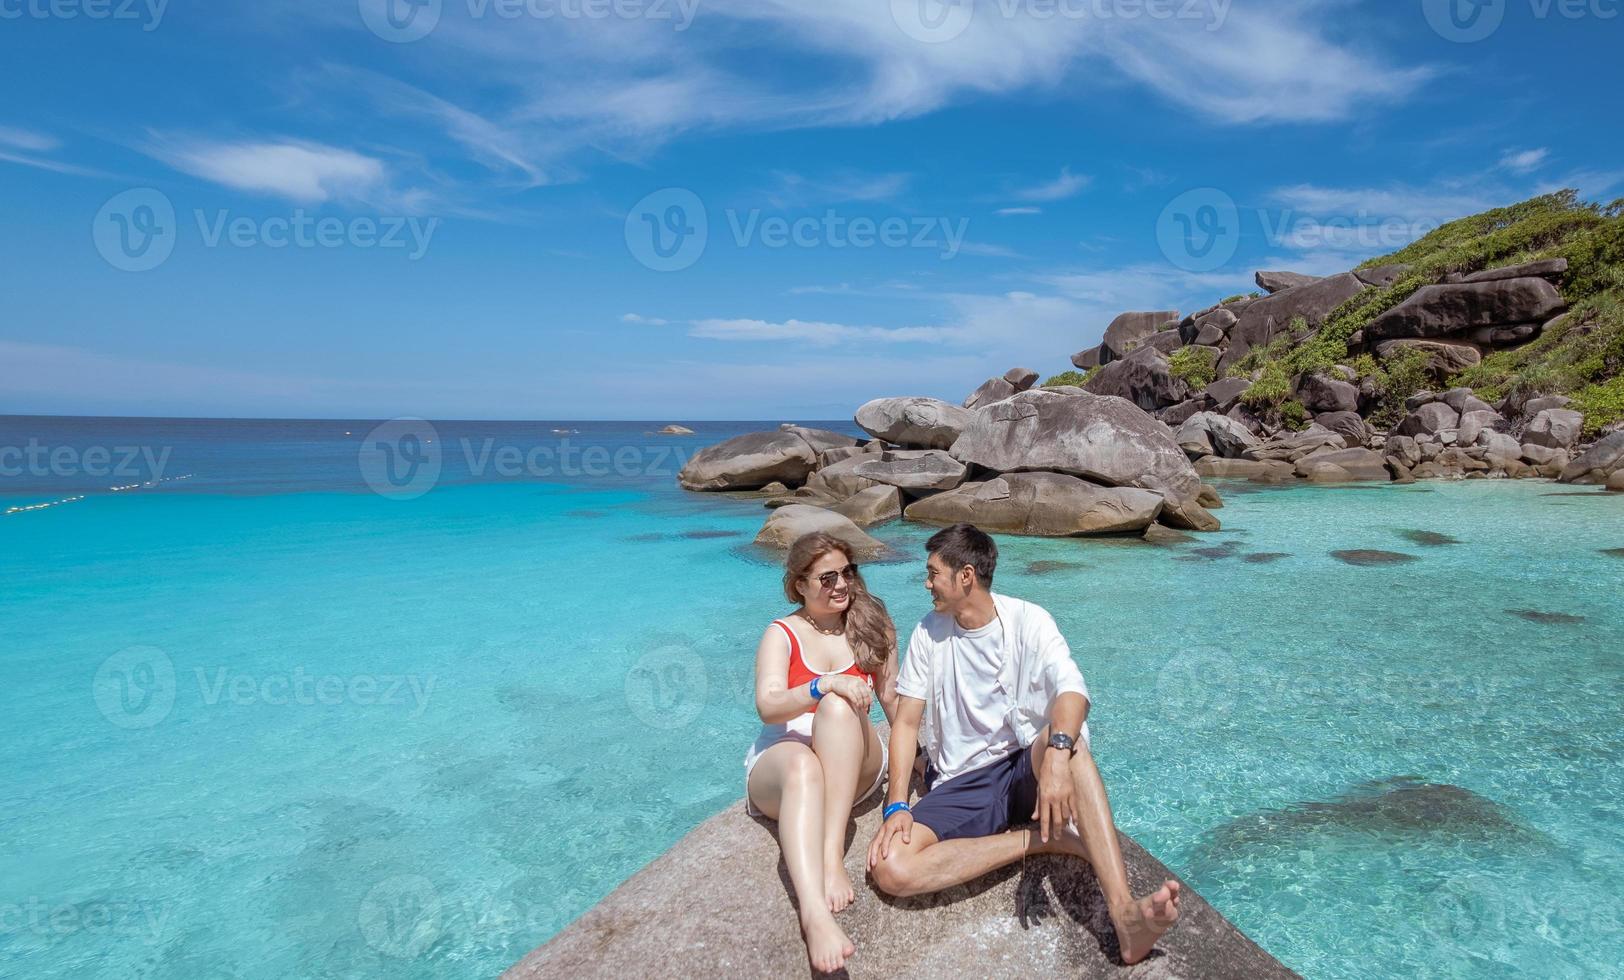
point(926, 865)
point(1139, 922)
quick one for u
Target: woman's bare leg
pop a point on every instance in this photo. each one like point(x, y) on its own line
point(838, 738)
point(786, 784)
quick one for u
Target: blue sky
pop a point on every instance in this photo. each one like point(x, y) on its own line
point(896, 198)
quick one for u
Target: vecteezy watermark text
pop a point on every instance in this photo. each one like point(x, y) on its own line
point(404, 21)
point(149, 12)
point(137, 231)
point(124, 462)
point(1469, 21)
point(137, 688)
point(937, 21)
point(1201, 229)
point(404, 458)
point(143, 921)
point(668, 230)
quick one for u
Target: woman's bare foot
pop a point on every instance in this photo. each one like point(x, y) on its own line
point(1141, 923)
point(836, 884)
point(827, 945)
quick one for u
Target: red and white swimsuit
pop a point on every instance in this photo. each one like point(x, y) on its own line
point(799, 728)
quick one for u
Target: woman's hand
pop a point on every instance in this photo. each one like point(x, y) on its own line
point(856, 691)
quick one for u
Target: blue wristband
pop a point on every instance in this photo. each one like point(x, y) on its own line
point(894, 808)
point(817, 695)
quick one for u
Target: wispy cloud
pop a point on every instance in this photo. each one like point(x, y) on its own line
point(1524, 161)
point(798, 190)
point(651, 321)
point(303, 172)
point(817, 334)
point(25, 139)
point(1066, 185)
point(1007, 212)
point(988, 250)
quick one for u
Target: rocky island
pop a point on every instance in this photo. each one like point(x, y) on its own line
point(1493, 348)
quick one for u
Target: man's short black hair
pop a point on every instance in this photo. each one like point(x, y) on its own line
point(965, 544)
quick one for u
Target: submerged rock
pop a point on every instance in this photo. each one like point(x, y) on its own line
point(1371, 556)
point(718, 904)
point(1540, 616)
point(1386, 810)
point(1431, 539)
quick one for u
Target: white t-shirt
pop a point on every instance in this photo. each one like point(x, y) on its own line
point(987, 692)
point(974, 728)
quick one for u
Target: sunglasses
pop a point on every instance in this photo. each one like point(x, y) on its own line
point(830, 579)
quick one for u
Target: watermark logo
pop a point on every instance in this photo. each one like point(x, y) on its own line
point(149, 12)
point(1464, 21)
point(401, 21)
point(667, 230)
point(400, 916)
point(933, 21)
point(1200, 686)
point(1463, 910)
point(1199, 230)
point(666, 688)
point(400, 459)
point(135, 687)
point(136, 231)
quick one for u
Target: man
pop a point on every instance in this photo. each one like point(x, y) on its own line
point(1004, 713)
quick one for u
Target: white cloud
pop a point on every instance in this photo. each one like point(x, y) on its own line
point(25, 139)
point(817, 334)
point(796, 190)
point(989, 251)
point(552, 90)
point(1007, 212)
point(652, 321)
point(307, 173)
point(1524, 161)
point(1064, 186)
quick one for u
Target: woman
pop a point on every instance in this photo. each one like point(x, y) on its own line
point(817, 671)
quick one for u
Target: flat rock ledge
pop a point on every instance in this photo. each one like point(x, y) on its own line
point(718, 905)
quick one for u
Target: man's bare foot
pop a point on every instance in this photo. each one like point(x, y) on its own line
point(827, 945)
point(836, 884)
point(1141, 923)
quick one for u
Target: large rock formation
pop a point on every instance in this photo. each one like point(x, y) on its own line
point(1439, 310)
point(1274, 282)
point(1145, 377)
point(718, 905)
point(1272, 315)
point(1043, 504)
point(1100, 438)
point(996, 389)
point(756, 459)
point(1128, 330)
point(915, 470)
point(926, 423)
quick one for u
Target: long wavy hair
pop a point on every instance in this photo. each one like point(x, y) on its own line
point(869, 630)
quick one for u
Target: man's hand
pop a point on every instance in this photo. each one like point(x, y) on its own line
point(900, 822)
point(1057, 794)
point(856, 691)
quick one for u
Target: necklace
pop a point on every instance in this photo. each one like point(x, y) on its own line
point(838, 632)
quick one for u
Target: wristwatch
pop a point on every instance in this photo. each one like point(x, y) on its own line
point(1060, 740)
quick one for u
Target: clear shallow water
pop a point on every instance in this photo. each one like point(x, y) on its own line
point(370, 736)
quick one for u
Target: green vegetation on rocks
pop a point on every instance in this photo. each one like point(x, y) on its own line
point(1069, 378)
point(1581, 355)
point(1198, 366)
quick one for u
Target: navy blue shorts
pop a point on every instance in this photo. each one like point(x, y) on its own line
point(981, 802)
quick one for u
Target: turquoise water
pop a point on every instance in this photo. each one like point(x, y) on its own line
point(274, 726)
